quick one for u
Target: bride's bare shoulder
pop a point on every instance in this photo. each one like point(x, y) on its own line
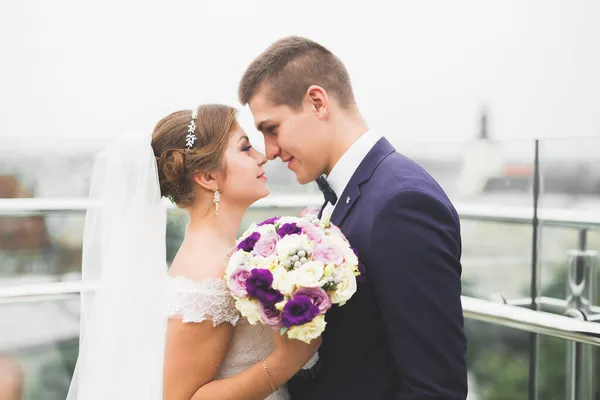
point(200, 262)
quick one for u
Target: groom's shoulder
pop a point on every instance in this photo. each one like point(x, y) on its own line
point(399, 181)
point(400, 173)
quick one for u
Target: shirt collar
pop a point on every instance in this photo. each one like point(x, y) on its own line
point(343, 170)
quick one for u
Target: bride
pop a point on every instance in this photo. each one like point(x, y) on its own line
point(151, 334)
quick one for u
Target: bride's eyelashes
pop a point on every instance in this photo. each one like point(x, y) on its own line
point(247, 148)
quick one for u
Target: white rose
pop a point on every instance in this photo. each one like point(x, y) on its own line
point(286, 244)
point(267, 229)
point(329, 270)
point(350, 257)
point(249, 309)
point(308, 331)
point(237, 259)
point(346, 288)
point(284, 281)
point(309, 274)
point(264, 262)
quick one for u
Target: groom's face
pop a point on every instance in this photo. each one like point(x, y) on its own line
point(292, 135)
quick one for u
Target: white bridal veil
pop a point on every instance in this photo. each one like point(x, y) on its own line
point(124, 252)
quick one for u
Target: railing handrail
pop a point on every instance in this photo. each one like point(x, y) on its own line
point(581, 219)
point(531, 320)
point(24, 206)
point(477, 309)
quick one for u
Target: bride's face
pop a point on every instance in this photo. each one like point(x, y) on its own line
point(245, 180)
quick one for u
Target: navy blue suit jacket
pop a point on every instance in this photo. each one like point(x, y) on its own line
point(401, 336)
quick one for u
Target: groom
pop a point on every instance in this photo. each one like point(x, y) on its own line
point(401, 335)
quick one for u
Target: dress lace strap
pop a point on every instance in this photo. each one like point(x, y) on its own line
point(197, 301)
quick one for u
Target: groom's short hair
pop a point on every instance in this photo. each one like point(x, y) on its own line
point(289, 67)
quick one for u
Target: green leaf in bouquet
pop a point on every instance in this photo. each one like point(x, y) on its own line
point(283, 330)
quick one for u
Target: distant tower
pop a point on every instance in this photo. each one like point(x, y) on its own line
point(481, 162)
point(483, 125)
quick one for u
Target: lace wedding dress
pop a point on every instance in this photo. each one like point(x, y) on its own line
point(197, 301)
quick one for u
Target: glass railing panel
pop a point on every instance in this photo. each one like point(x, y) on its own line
point(40, 248)
point(48, 248)
point(491, 175)
point(39, 343)
point(570, 181)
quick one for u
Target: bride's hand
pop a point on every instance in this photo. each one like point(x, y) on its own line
point(295, 351)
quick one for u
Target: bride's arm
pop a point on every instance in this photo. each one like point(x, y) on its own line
point(194, 353)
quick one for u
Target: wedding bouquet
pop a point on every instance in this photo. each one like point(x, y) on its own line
point(286, 272)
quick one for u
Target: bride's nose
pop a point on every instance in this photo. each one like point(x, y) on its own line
point(262, 160)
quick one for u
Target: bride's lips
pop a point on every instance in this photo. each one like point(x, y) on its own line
point(262, 176)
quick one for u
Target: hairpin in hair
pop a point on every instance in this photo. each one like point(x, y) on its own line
point(191, 136)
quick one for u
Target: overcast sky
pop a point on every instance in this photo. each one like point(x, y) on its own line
point(421, 69)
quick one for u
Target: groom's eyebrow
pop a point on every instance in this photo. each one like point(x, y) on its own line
point(262, 124)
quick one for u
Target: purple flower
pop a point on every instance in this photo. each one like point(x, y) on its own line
point(361, 268)
point(258, 285)
point(299, 311)
point(270, 221)
point(248, 244)
point(269, 314)
point(318, 297)
point(362, 277)
point(237, 282)
point(289, 229)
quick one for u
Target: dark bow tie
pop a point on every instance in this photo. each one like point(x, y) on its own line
point(328, 192)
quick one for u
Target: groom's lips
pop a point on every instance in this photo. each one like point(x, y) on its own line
point(288, 161)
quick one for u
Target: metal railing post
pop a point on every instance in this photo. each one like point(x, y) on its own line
point(580, 297)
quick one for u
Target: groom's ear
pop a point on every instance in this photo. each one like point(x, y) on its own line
point(207, 180)
point(318, 100)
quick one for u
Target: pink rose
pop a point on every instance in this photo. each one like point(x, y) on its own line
point(314, 233)
point(266, 245)
point(318, 296)
point(334, 230)
point(328, 253)
point(237, 282)
point(269, 314)
point(310, 210)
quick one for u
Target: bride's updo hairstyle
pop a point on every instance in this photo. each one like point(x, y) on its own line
point(178, 164)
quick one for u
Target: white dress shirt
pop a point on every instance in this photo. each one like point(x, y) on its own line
point(343, 170)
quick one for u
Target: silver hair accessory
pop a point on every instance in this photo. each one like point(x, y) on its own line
point(191, 136)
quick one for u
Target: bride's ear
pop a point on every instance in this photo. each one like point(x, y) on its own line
point(207, 180)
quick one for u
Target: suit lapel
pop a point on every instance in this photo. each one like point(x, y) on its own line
point(363, 173)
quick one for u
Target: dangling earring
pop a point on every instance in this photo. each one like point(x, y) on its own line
point(216, 200)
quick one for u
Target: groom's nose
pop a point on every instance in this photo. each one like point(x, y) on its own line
point(272, 150)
